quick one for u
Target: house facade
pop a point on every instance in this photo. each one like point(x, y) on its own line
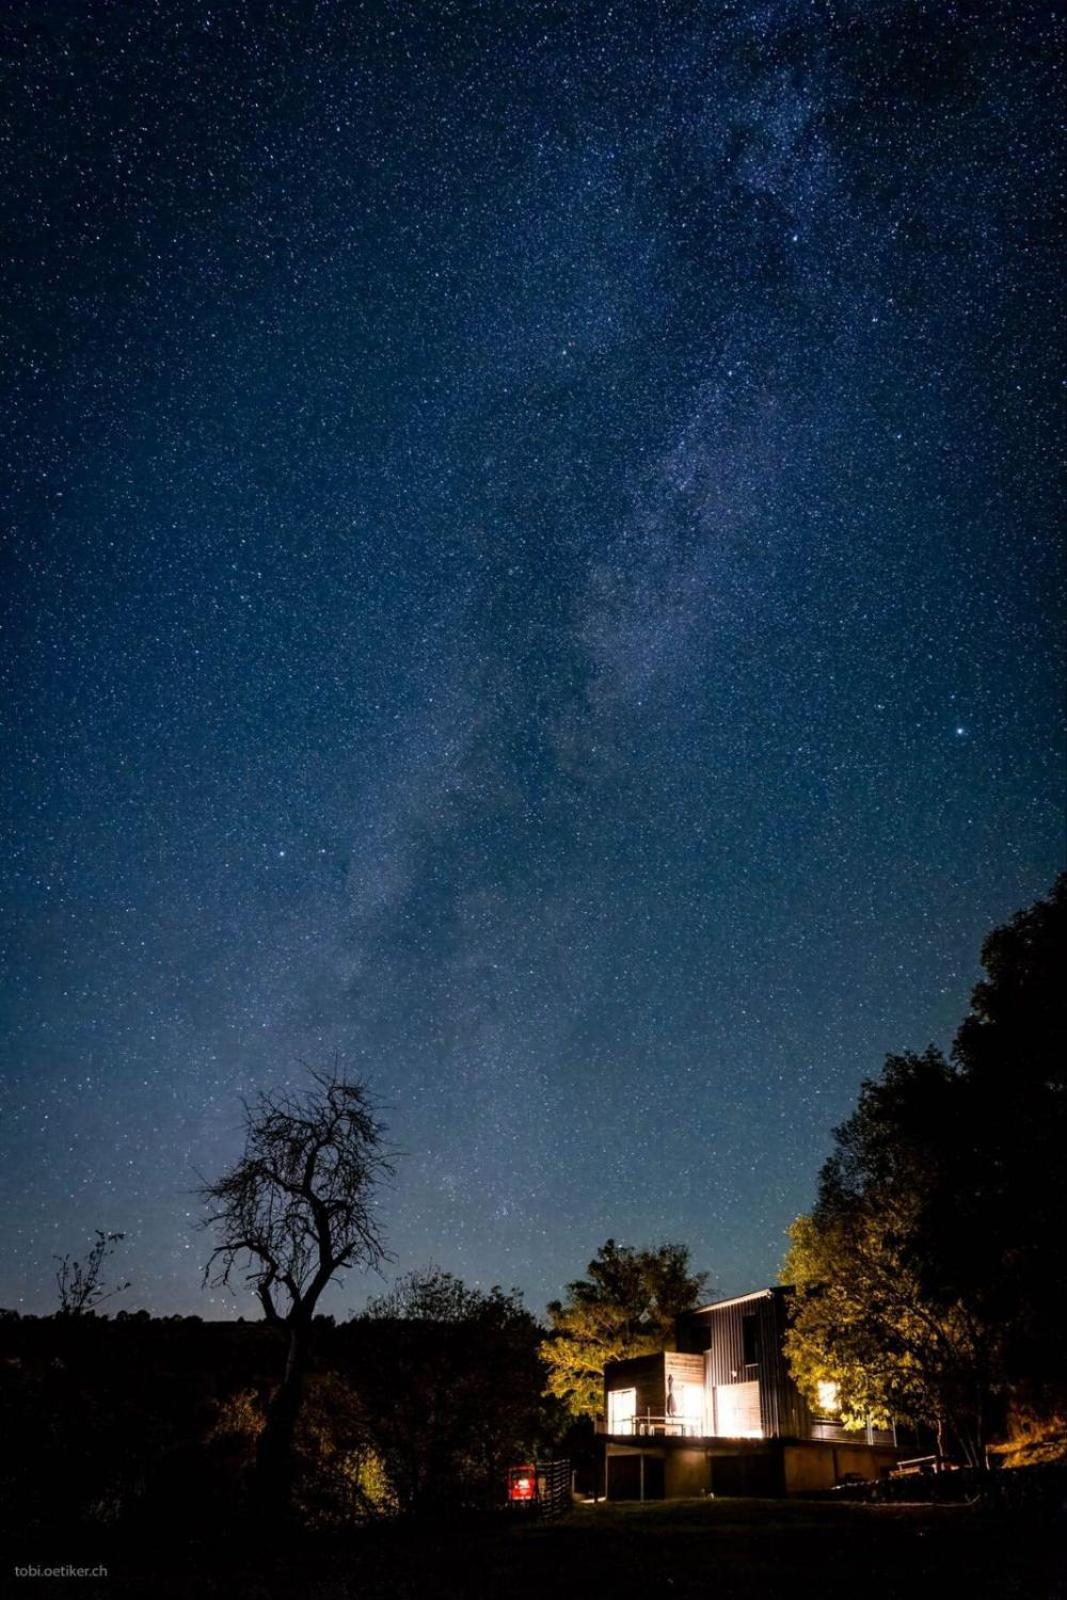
point(722, 1415)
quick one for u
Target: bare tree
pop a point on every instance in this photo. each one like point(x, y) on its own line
point(78, 1282)
point(293, 1213)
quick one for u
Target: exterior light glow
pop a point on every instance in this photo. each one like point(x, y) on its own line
point(737, 1411)
point(622, 1405)
point(829, 1394)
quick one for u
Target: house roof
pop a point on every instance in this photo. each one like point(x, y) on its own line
point(734, 1300)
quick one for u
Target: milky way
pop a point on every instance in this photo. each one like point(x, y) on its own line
point(531, 565)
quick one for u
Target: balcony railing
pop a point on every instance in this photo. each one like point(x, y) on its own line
point(651, 1423)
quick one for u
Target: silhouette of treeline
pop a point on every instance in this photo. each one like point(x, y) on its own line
point(150, 1421)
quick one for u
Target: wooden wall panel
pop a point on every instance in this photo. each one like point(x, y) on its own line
point(645, 1374)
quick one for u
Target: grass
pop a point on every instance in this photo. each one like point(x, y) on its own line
point(714, 1549)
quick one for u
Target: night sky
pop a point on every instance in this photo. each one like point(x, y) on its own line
point(530, 564)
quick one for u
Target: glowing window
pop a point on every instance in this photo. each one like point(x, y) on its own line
point(737, 1411)
point(829, 1396)
point(691, 1403)
point(622, 1407)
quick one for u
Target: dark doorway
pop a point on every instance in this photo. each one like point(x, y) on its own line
point(624, 1482)
point(757, 1475)
point(624, 1477)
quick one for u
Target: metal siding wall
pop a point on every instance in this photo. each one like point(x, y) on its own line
point(726, 1356)
point(782, 1409)
point(769, 1368)
point(793, 1418)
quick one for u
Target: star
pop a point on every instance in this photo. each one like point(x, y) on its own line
point(467, 472)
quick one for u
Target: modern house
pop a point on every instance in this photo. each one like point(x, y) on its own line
point(722, 1415)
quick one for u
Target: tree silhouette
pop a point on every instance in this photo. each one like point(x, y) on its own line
point(78, 1282)
point(293, 1213)
point(450, 1384)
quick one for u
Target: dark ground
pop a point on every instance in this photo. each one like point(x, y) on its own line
point(680, 1549)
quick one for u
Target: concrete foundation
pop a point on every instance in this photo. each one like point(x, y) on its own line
point(682, 1469)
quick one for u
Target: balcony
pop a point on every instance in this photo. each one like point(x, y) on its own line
point(649, 1424)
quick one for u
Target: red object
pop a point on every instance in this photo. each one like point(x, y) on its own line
point(522, 1483)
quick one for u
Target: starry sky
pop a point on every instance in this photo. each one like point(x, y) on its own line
point(530, 564)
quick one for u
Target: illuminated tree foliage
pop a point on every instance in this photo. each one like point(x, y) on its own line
point(627, 1306)
point(930, 1273)
point(864, 1317)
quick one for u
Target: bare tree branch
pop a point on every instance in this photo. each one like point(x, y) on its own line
point(298, 1207)
point(79, 1282)
point(296, 1210)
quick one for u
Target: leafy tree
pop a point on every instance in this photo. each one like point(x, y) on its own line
point(930, 1273)
point(80, 1284)
point(627, 1306)
point(864, 1318)
point(451, 1384)
point(295, 1211)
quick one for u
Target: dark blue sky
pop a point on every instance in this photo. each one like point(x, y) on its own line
point(531, 564)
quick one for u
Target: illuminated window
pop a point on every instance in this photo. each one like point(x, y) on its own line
point(691, 1406)
point(622, 1407)
point(829, 1397)
point(737, 1412)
